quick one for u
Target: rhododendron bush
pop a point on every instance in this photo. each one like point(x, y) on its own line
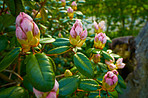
point(47, 52)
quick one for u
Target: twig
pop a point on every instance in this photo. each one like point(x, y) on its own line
point(4, 77)
point(11, 83)
point(11, 71)
point(62, 75)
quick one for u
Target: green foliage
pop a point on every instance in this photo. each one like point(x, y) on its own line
point(9, 58)
point(14, 92)
point(83, 64)
point(39, 70)
point(68, 85)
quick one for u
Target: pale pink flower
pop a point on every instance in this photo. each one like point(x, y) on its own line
point(110, 61)
point(70, 10)
point(119, 63)
point(101, 37)
point(73, 3)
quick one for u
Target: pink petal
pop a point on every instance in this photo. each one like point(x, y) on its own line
point(20, 34)
point(38, 94)
point(26, 16)
point(78, 30)
point(109, 81)
point(19, 19)
point(115, 79)
point(84, 34)
point(51, 95)
point(36, 29)
point(26, 25)
point(56, 86)
point(72, 33)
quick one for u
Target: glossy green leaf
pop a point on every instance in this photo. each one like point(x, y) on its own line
point(61, 42)
point(3, 42)
point(93, 94)
point(83, 64)
point(114, 94)
point(118, 88)
point(59, 50)
point(53, 63)
point(108, 39)
point(89, 85)
point(106, 55)
point(14, 92)
point(27, 84)
point(115, 56)
point(68, 85)
point(121, 82)
point(9, 58)
point(47, 40)
point(63, 11)
point(40, 72)
point(79, 13)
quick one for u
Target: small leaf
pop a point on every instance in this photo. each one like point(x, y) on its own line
point(61, 42)
point(68, 85)
point(44, 14)
point(40, 72)
point(89, 85)
point(59, 50)
point(118, 88)
point(9, 58)
point(14, 92)
point(47, 40)
point(3, 42)
point(106, 55)
point(121, 82)
point(108, 39)
point(83, 64)
point(79, 13)
point(114, 94)
point(115, 56)
point(63, 11)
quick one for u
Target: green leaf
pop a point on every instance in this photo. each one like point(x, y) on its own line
point(11, 5)
point(47, 40)
point(9, 58)
point(108, 39)
point(79, 13)
point(106, 55)
point(121, 82)
point(61, 42)
point(115, 56)
point(53, 63)
point(114, 94)
point(27, 84)
point(59, 50)
point(40, 72)
point(63, 11)
point(14, 92)
point(83, 64)
point(44, 14)
point(89, 85)
point(68, 85)
point(118, 88)
point(19, 7)
point(3, 42)
point(93, 94)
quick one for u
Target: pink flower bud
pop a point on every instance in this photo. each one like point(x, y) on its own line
point(110, 81)
point(70, 10)
point(52, 95)
point(77, 35)
point(115, 72)
point(100, 40)
point(63, 2)
point(74, 5)
point(99, 27)
point(110, 61)
point(56, 86)
point(96, 58)
point(119, 63)
point(27, 32)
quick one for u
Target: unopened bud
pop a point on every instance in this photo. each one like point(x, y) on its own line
point(27, 31)
point(74, 5)
point(99, 27)
point(77, 35)
point(70, 13)
point(100, 40)
point(67, 73)
point(63, 3)
point(110, 81)
point(96, 58)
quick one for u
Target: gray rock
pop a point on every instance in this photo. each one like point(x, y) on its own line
point(137, 81)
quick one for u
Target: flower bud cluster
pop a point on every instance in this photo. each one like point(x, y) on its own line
point(99, 27)
point(77, 35)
